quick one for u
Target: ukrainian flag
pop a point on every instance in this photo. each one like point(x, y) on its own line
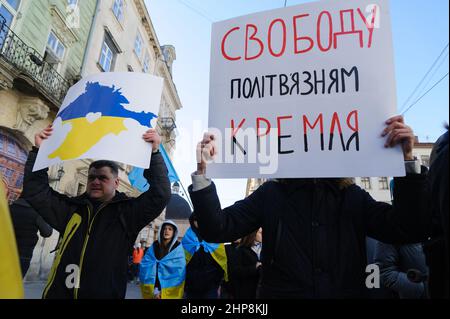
point(191, 244)
point(138, 181)
point(11, 286)
point(171, 274)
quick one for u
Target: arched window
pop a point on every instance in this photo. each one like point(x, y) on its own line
point(12, 162)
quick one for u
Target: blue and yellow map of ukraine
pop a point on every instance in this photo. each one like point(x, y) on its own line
point(85, 134)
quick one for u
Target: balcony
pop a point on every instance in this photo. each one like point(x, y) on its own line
point(27, 62)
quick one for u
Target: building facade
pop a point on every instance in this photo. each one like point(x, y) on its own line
point(47, 46)
point(42, 44)
point(379, 187)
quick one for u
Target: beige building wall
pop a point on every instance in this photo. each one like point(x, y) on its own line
point(18, 117)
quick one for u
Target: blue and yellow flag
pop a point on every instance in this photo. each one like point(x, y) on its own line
point(171, 274)
point(138, 181)
point(11, 286)
point(191, 244)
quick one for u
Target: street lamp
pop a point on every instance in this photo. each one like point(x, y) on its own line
point(167, 124)
point(59, 175)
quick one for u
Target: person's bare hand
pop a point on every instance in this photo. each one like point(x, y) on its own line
point(43, 135)
point(152, 136)
point(206, 150)
point(398, 132)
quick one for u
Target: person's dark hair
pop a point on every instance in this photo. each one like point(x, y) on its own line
point(248, 240)
point(104, 163)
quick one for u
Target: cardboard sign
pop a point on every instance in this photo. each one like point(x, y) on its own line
point(304, 91)
point(103, 117)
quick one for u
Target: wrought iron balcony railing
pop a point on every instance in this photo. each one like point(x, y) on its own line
point(29, 62)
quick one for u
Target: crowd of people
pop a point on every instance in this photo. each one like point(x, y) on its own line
point(291, 238)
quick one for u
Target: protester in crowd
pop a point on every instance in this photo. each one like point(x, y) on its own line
point(138, 254)
point(403, 269)
point(246, 270)
point(27, 222)
point(163, 268)
point(437, 249)
point(377, 291)
point(99, 227)
point(315, 229)
point(227, 287)
point(206, 265)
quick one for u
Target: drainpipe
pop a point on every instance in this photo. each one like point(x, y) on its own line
point(88, 43)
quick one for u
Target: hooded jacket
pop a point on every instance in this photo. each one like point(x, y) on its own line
point(94, 244)
point(164, 271)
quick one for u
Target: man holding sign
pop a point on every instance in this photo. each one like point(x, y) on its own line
point(315, 229)
point(109, 116)
point(99, 227)
point(302, 94)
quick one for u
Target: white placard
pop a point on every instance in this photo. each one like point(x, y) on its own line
point(103, 116)
point(321, 75)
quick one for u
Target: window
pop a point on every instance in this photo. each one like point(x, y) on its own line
point(11, 148)
point(138, 45)
point(383, 183)
point(108, 53)
point(8, 9)
point(130, 68)
point(146, 63)
point(365, 182)
point(14, 4)
point(425, 159)
point(106, 57)
point(80, 189)
point(56, 47)
point(118, 9)
point(72, 2)
point(19, 181)
point(6, 14)
point(9, 173)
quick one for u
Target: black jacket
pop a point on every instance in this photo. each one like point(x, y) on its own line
point(438, 249)
point(394, 262)
point(244, 273)
point(98, 242)
point(203, 273)
point(314, 232)
point(27, 222)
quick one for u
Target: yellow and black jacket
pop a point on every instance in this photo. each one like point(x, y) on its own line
point(96, 243)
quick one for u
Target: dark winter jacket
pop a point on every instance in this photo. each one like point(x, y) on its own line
point(27, 222)
point(96, 241)
point(244, 273)
point(203, 273)
point(314, 231)
point(438, 248)
point(395, 261)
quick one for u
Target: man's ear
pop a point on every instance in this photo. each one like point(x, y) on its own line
point(116, 182)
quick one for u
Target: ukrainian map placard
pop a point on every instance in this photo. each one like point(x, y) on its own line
point(304, 91)
point(103, 116)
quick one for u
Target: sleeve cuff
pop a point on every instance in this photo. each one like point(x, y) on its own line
point(199, 182)
point(412, 167)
